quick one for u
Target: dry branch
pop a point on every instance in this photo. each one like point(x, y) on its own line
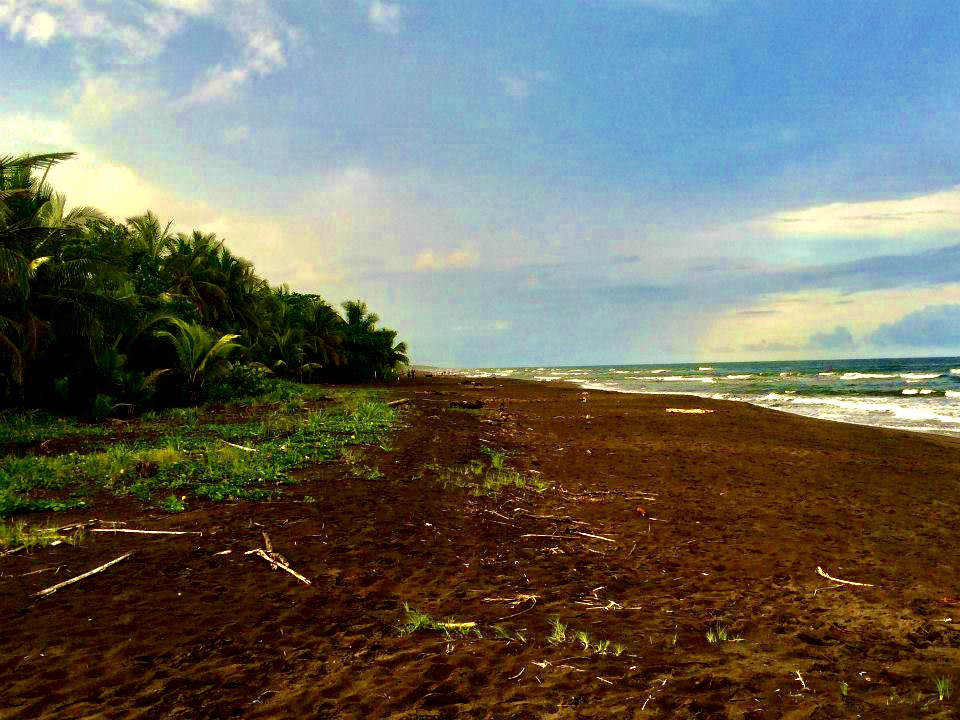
point(240, 447)
point(398, 403)
point(596, 537)
point(842, 582)
point(273, 562)
point(52, 589)
point(147, 532)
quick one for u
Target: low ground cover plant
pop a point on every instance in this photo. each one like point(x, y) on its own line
point(486, 476)
point(174, 456)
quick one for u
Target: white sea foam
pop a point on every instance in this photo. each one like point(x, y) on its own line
point(705, 368)
point(865, 376)
point(854, 410)
point(955, 371)
point(826, 373)
point(951, 393)
point(658, 372)
point(737, 377)
point(909, 391)
point(914, 377)
point(547, 378)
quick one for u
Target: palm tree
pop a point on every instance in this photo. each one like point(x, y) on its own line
point(202, 358)
point(190, 271)
point(50, 291)
point(370, 352)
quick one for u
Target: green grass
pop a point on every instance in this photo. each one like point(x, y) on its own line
point(180, 453)
point(490, 477)
point(719, 634)
point(19, 534)
point(415, 621)
point(558, 632)
point(944, 688)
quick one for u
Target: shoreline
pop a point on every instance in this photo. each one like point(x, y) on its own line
point(952, 438)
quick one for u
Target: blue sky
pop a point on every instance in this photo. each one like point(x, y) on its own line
point(533, 181)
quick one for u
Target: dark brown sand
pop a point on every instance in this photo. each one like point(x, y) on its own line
point(719, 518)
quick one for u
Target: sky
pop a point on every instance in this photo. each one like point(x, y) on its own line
point(532, 182)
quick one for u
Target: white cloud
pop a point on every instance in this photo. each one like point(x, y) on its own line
point(428, 260)
point(385, 17)
point(790, 321)
point(106, 35)
point(139, 35)
point(264, 38)
point(218, 84)
point(41, 27)
point(190, 7)
point(99, 99)
point(236, 134)
point(30, 132)
point(933, 213)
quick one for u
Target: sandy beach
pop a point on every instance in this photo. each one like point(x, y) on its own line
point(656, 528)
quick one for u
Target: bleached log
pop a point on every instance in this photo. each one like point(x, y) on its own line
point(52, 589)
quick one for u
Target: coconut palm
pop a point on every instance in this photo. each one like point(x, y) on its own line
point(201, 357)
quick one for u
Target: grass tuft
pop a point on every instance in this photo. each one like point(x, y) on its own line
point(944, 688)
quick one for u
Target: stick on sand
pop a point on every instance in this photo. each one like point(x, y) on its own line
point(147, 532)
point(842, 582)
point(259, 552)
point(78, 578)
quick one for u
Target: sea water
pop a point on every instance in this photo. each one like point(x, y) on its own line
point(921, 394)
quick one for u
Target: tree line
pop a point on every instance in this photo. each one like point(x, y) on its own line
point(99, 316)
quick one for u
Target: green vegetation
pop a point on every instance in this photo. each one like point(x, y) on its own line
point(486, 478)
point(100, 318)
point(203, 457)
point(415, 621)
point(558, 632)
point(19, 534)
point(944, 688)
point(719, 634)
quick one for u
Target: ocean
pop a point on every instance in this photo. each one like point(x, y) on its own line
point(920, 394)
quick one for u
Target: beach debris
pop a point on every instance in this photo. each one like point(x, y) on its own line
point(800, 678)
point(569, 537)
point(275, 559)
point(131, 531)
point(274, 564)
point(457, 625)
point(467, 404)
point(398, 403)
point(821, 572)
point(53, 588)
point(239, 447)
point(690, 411)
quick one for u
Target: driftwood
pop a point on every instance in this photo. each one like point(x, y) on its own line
point(274, 563)
point(842, 582)
point(398, 403)
point(239, 447)
point(147, 532)
point(52, 589)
